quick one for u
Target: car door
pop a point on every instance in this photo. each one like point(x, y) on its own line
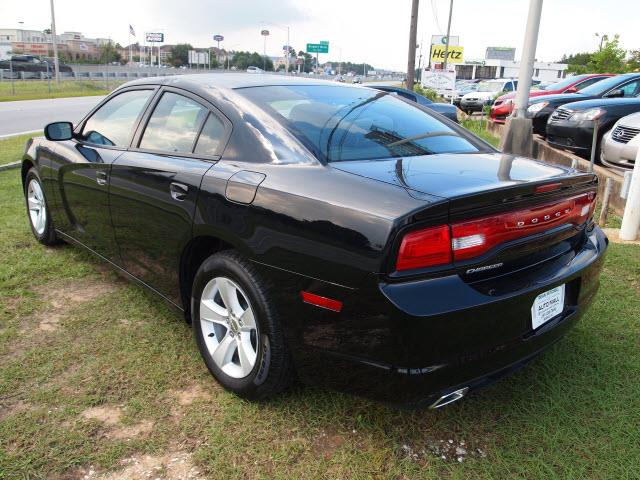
point(154, 185)
point(80, 169)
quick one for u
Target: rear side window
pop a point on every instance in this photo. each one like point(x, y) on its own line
point(346, 123)
point(211, 136)
point(113, 123)
point(174, 124)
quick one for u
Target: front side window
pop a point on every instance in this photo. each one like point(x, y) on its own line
point(113, 123)
point(631, 89)
point(174, 124)
point(345, 123)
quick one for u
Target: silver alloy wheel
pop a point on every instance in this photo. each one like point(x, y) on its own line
point(37, 206)
point(229, 327)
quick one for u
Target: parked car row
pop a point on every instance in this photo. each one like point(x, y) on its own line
point(568, 120)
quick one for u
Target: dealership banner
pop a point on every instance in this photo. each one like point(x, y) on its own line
point(455, 54)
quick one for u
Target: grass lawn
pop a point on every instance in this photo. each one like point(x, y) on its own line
point(35, 89)
point(99, 378)
point(478, 127)
point(11, 148)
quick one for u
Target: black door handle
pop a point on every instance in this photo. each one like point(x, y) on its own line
point(178, 191)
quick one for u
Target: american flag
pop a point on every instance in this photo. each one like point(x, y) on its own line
point(132, 31)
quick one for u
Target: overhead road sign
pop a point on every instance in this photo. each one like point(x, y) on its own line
point(318, 47)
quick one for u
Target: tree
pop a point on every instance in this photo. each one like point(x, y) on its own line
point(242, 60)
point(110, 53)
point(610, 59)
point(578, 62)
point(180, 54)
point(633, 64)
point(309, 61)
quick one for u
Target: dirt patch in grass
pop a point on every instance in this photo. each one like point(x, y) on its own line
point(327, 443)
point(175, 465)
point(111, 418)
point(62, 299)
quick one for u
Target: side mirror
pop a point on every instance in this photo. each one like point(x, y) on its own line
point(58, 131)
point(617, 93)
point(571, 90)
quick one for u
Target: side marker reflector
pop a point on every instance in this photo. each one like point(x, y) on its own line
point(322, 302)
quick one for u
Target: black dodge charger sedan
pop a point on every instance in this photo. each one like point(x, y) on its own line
point(571, 126)
point(335, 233)
point(619, 86)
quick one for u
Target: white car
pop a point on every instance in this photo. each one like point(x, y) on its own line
point(619, 145)
point(253, 69)
point(487, 90)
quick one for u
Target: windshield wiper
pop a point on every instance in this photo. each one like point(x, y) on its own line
point(421, 136)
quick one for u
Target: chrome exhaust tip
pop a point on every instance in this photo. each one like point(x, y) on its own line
point(450, 398)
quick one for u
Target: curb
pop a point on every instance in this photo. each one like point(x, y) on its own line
point(9, 166)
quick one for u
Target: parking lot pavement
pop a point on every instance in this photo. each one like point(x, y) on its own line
point(26, 116)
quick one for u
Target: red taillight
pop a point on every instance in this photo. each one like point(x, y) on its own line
point(464, 240)
point(425, 248)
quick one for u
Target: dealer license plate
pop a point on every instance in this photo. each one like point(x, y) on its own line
point(547, 306)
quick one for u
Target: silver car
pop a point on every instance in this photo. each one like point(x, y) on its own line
point(620, 144)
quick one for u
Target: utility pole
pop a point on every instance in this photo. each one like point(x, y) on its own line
point(518, 137)
point(54, 43)
point(413, 34)
point(446, 45)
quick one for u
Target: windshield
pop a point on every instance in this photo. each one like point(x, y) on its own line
point(341, 123)
point(605, 85)
point(490, 86)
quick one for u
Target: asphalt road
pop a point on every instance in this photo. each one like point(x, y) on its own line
point(27, 116)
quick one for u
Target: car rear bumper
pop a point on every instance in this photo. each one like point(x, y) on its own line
point(410, 343)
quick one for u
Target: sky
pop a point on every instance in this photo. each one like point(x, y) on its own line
point(375, 31)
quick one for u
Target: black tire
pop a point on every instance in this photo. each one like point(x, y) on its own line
point(273, 371)
point(48, 235)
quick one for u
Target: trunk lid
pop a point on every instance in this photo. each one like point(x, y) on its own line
point(459, 175)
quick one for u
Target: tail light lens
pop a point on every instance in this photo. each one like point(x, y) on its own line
point(464, 240)
point(423, 248)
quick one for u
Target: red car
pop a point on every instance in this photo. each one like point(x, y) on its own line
point(503, 105)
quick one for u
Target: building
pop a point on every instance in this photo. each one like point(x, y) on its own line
point(72, 46)
point(493, 68)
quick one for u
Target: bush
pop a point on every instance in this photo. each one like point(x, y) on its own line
point(430, 93)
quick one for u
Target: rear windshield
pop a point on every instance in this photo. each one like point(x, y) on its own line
point(348, 123)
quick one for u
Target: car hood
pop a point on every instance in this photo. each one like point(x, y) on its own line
point(604, 102)
point(632, 120)
point(482, 95)
point(453, 175)
point(561, 98)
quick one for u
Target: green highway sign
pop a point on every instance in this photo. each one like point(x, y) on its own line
point(324, 42)
point(318, 47)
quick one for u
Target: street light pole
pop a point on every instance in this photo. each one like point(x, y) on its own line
point(518, 136)
point(413, 34)
point(54, 43)
point(528, 57)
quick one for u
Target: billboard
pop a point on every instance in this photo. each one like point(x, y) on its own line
point(500, 53)
point(198, 58)
point(154, 37)
point(454, 54)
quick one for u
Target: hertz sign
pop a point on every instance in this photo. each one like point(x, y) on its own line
point(455, 54)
